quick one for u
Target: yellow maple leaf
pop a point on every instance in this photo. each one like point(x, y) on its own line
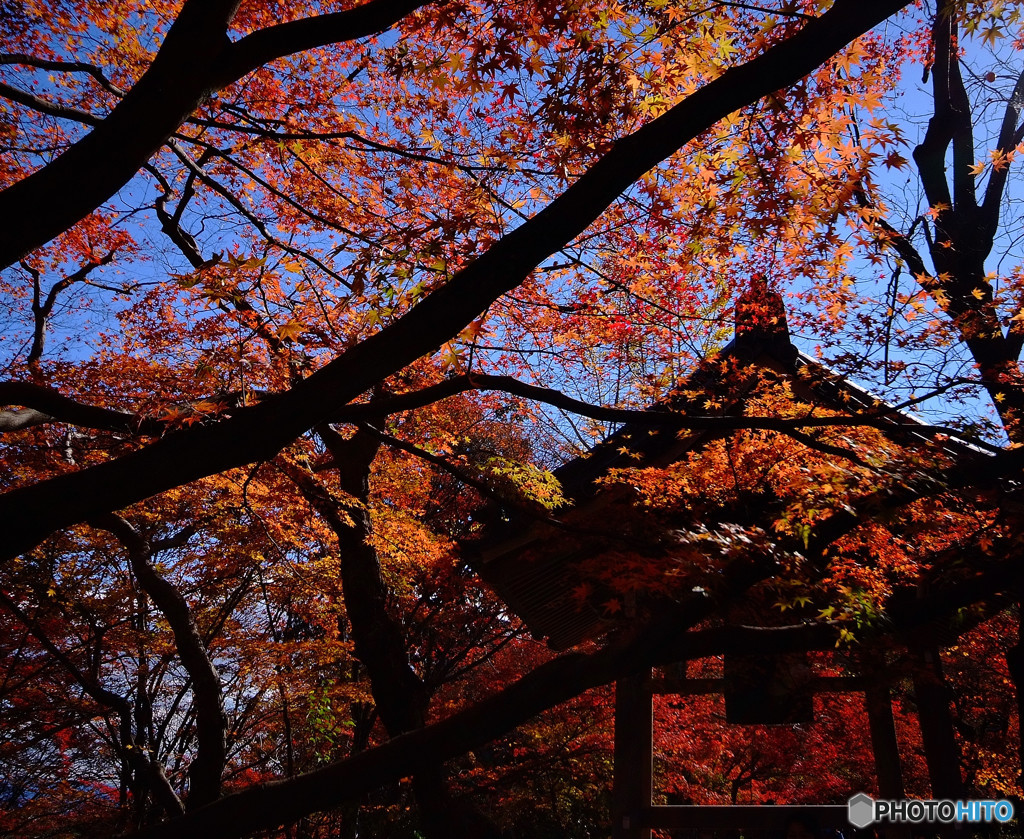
point(290, 331)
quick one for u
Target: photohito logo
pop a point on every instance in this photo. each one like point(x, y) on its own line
point(863, 810)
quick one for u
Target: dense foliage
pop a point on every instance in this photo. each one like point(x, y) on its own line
point(303, 303)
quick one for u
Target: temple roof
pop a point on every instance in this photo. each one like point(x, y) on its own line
point(529, 567)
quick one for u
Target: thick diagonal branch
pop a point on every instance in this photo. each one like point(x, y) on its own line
point(196, 59)
point(30, 514)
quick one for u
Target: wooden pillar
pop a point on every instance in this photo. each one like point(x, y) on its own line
point(885, 749)
point(941, 750)
point(1015, 666)
point(938, 736)
point(634, 751)
point(884, 746)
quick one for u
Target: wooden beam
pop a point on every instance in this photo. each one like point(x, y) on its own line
point(704, 687)
point(884, 744)
point(685, 687)
point(742, 817)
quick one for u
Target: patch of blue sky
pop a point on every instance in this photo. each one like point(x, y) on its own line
point(518, 195)
point(907, 360)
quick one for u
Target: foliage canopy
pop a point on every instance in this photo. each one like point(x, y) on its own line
point(302, 301)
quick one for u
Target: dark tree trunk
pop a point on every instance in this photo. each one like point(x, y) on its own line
point(401, 698)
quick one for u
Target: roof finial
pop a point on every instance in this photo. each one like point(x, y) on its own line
point(761, 318)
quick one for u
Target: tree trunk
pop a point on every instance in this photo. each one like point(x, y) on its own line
point(401, 698)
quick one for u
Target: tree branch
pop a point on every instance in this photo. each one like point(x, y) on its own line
point(37, 103)
point(135, 756)
point(267, 805)
point(171, 225)
point(195, 59)
point(29, 514)
point(261, 47)
point(211, 721)
point(64, 66)
point(951, 123)
point(43, 404)
point(962, 242)
point(1010, 135)
point(664, 640)
point(197, 171)
point(887, 420)
point(42, 309)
